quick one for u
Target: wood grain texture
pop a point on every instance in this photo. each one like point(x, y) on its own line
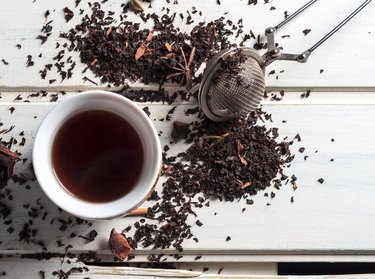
point(345, 57)
point(21, 268)
point(332, 219)
point(16, 267)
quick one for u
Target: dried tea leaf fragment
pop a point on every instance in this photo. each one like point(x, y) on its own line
point(90, 237)
point(247, 184)
point(68, 14)
point(119, 246)
point(180, 131)
point(7, 161)
point(306, 31)
point(240, 147)
point(109, 31)
point(169, 47)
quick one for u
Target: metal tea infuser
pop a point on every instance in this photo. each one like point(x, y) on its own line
point(226, 98)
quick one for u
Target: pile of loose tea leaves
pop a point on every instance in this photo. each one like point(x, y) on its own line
point(120, 51)
point(226, 161)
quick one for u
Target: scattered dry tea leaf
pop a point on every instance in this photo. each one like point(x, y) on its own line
point(90, 237)
point(306, 31)
point(119, 246)
point(68, 14)
point(180, 130)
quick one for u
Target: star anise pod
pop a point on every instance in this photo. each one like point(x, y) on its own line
point(184, 70)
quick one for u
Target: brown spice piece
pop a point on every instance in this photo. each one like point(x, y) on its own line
point(169, 169)
point(140, 211)
point(168, 47)
point(119, 246)
point(142, 49)
point(247, 184)
point(136, 5)
point(239, 150)
point(7, 161)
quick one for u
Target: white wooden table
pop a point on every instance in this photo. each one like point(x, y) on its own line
point(333, 221)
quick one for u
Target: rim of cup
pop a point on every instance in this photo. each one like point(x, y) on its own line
point(86, 101)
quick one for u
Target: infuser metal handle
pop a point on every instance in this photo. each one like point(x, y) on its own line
point(274, 53)
point(300, 10)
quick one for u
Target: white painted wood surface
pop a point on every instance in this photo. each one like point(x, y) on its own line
point(329, 222)
point(334, 218)
point(346, 58)
point(16, 267)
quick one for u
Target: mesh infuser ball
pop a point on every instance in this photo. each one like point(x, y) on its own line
point(227, 92)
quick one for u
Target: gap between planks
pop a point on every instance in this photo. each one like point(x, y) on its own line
point(219, 257)
point(77, 88)
point(290, 98)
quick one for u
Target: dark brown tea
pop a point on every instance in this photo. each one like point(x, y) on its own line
point(97, 156)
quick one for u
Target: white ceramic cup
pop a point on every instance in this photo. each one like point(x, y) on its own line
point(86, 101)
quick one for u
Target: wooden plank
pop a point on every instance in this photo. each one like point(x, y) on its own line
point(16, 267)
point(21, 268)
point(343, 57)
point(331, 219)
